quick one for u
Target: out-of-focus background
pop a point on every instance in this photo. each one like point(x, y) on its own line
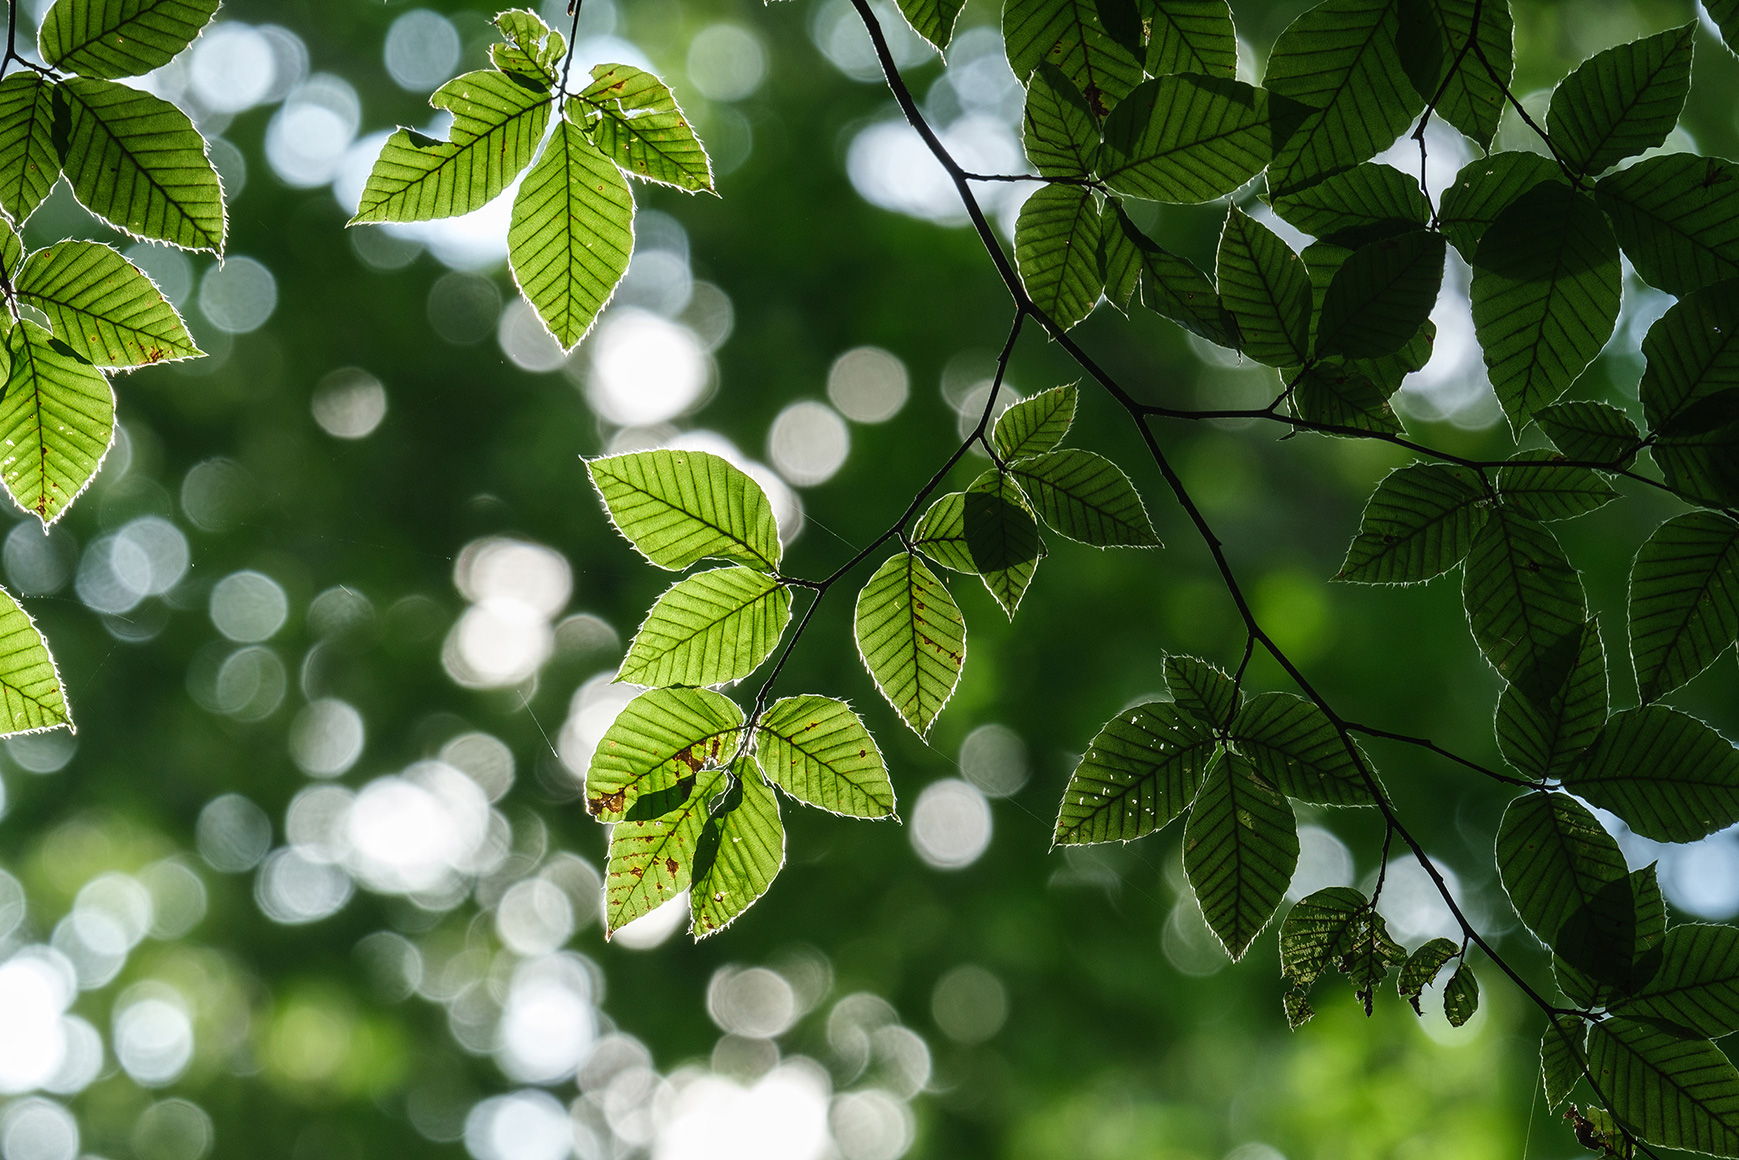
point(339, 620)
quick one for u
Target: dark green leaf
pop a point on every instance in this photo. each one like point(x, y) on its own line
point(1548, 739)
point(1677, 218)
point(1267, 290)
point(1422, 967)
point(1174, 288)
point(1668, 775)
point(709, 628)
point(651, 858)
point(1460, 996)
point(677, 507)
point(1364, 203)
point(1614, 942)
point(102, 306)
point(1381, 296)
point(1669, 1090)
point(1002, 536)
point(1140, 772)
point(1060, 132)
point(1545, 295)
point(1036, 425)
point(818, 751)
point(1335, 395)
point(1339, 62)
point(1056, 245)
point(933, 19)
point(1119, 256)
point(1087, 498)
point(1389, 371)
point(1240, 848)
point(634, 120)
point(571, 234)
point(138, 163)
point(1697, 985)
point(1562, 1052)
point(1684, 600)
point(1725, 14)
point(1293, 744)
point(740, 851)
point(912, 639)
point(1693, 359)
point(1069, 34)
point(1621, 101)
point(1468, 96)
point(1484, 189)
point(1703, 467)
point(1557, 863)
point(120, 38)
point(1419, 523)
point(1337, 927)
point(1524, 603)
point(1190, 36)
point(1202, 689)
point(1537, 484)
point(659, 739)
point(1186, 139)
point(57, 419)
point(1594, 432)
point(29, 160)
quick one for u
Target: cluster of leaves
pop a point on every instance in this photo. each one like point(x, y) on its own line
point(77, 309)
point(572, 228)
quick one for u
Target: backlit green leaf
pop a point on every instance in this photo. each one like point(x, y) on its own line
point(659, 739)
point(1002, 536)
point(1335, 927)
point(571, 234)
point(651, 859)
point(1293, 744)
point(1668, 775)
point(1677, 218)
point(1555, 861)
point(634, 120)
point(1087, 498)
point(677, 507)
point(1537, 484)
point(1562, 1052)
point(933, 19)
point(57, 419)
point(1545, 295)
point(1202, 689)
point(740, 851)
point(1468, 96)
point(709, 628)
point(1684, 600)
point(1266, 288)
point(1240, 848)
point(1070, 34)
point(1174, 288)
point(1690, 394)
point(912, 639)
point(1186, 139)
point(1622, 101)
point(1140, 772)
point(120, 38)
point(137, 162)
point(1524, 603)
point(1484, 189)
point(1034, 426)
point(1422, 967)
point(1381, 296)
point(31, 694)
point(529, 45)
point(1056, 246)
point(1460, 996)
point(1059, 130)
point(1673, 1091)
point(1419, 523)
point(1547, 738)
point(29, 159)
point(1697, 985)
point(103, 307)
point(1366, 202)
point(818, 751)
point(1190, 36)
point(1595, 432)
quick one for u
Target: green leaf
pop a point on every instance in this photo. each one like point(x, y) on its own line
point(1123, 21)
point(1537, 484)
point(120, 38)
point(1334, 927)
point(1460, 996)
point(57, 419)
point(1697, 985)
point(1677, 218)
point(818, 751)
point(1186, 139)
point(1364, 203)
point(1484, 189)
point(1070, 35)
point(1419, 523)
point(138, 163)
point(498, 120)
point(1267, 290)
point(1621, 101)
point(677, 507)
point(1202, 689)
point(1034, 426)
point(1545, 295)
point(531, 47)
point(29, 159)
point(651, 858)
point(1141, 771)
point(1725, 14)
point(1668, 775)
point(1693, 362)
point(103, 307)
point(1174, 288)
point(1059, 130)
point(1422, 967)
point(1556, 863)
point(1087, 498)
point(571, 234)
point(1672, 1091)
point(661, 738)
point(1389, 371)
point(1190, 36)
point(1591, 431)
point(912, 639)
point(1614, 943)
point(1467, 94)
point(708, 628)
point(1292, 743)
point(1056, 246)
point(31, 694)
point(941, 534)
point(1240, 847)
point(1340, 63)
point(1381, 296)
point(1684, 600)
point(634, 120)
point(933, 19)
point(1562, 1050)
point(1524, 603)
point(740, 851)
point(1002, 535)
point(1119, 256)
point(1548, 739)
